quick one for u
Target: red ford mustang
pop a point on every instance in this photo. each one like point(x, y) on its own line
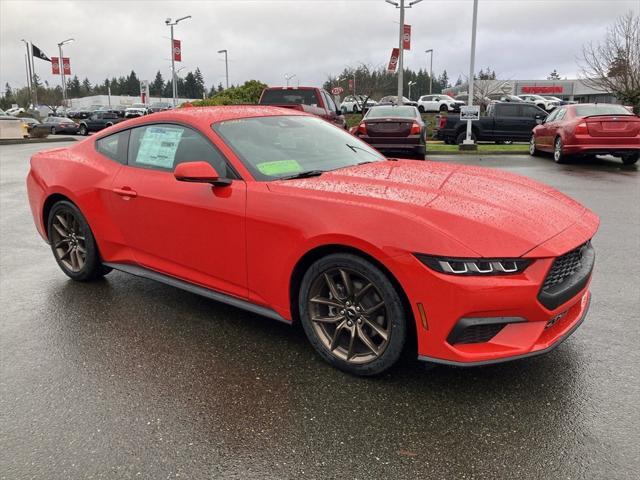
point(588, 129)
point(280, 213)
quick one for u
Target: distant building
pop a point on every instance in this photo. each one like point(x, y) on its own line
point(103, 100)
point(570, 90)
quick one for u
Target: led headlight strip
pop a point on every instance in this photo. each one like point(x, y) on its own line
point(474, 266)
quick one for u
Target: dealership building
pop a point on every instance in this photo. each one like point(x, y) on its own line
point(570, 90)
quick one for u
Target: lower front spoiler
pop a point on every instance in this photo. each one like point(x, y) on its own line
point(534, 353)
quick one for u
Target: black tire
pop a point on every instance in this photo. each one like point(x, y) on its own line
point(83, 130)
point(91, 268)
point(443, 108)
point(630, 158)
point(53, 130)
point(344, 110)
point(462, 136)
point(421, 109)
point(558, 155)
point(382, 290)
point(109, 125)
point(355, 108)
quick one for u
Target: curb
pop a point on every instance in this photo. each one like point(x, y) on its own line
point(19, 141)
point(478, 152)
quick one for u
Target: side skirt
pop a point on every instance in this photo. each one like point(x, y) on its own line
point(198, 290)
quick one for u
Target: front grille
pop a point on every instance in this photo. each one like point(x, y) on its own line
point(564, 267)
point(479, 333)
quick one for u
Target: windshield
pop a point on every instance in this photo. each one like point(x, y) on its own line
point(282, 146)
point(289, 97)
point(602, 109)
point(391, 111)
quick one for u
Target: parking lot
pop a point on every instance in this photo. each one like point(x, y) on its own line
point(126, 378)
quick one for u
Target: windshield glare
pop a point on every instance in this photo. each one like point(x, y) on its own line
point(282, 146)
point(587, 110)
point(391, 111)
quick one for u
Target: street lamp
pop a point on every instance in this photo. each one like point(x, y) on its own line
point(171, 24)
point(468, 140)
point(61, 66)
point(409, 85)
point(29, 72)
point(430, 69)
point(226, 65)
point(289, 76)
point(402, 7)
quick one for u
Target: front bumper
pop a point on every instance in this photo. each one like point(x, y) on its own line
point(440, 301)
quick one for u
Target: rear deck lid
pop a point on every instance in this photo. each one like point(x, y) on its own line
point(613, 126)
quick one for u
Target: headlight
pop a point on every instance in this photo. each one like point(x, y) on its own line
point(474, 266)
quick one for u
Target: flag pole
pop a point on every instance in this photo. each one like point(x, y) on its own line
point(33, 76)
point(26, 68)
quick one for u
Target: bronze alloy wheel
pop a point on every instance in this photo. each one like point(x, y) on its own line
point(349, 315)
point(69, 244)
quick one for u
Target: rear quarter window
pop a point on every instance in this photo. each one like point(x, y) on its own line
point(114, 146)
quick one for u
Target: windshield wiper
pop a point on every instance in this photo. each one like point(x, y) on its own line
point(355, 149)
point(307, 174)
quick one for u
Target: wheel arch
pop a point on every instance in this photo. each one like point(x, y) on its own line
point(48, 204)
point(304, 262)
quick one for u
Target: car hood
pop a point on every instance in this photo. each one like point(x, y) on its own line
point(493, 213)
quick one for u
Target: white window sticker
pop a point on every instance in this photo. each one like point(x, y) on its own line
point(158, 146)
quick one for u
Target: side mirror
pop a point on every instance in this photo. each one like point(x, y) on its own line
point(540, 119)
point(199, 172)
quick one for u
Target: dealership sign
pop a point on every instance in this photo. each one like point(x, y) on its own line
point(337, 90)
point(470, 112)
point(406, 38)
point(542, 89)
point(177, 51)
point(393, 61)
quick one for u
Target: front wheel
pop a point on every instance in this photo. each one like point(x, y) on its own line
point(421, 109)
point(630, 158)
point(53, 130)
point(352, 314)
point(83, 130)
point(73, 244)
point(443, 108)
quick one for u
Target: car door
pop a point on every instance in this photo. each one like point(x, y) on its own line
point(531, 114)
point(331, 109)
point(552, 126)
point(192, 231)
point(506, 121)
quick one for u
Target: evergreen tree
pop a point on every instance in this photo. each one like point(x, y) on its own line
point(190, 86)
point(86, 87)
point(200, 90)
point(74, 87)
point(167, 92)
point(553, 75)
point(132, 85)
point(157, 86)
point(8, 93)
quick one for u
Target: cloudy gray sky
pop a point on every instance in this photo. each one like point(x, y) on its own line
point(520, 39)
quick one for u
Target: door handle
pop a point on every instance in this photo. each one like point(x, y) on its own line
point(125, 192)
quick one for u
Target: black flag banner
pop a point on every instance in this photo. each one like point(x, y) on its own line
point(39, 53)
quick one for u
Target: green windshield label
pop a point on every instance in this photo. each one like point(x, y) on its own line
point(279, 167)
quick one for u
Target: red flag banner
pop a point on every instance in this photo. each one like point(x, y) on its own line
point(406, 38)
point(55, 66)
point(177, 51)
point(393, 61)
point(66, 66)
point(351, 84)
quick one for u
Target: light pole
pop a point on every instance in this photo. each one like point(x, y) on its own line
point(226, 65)
point(289, 76)
point(402, 7)
point(430, 69)
point(468, 140)
point(29, 73)
point(410, 84)
point(171, 24)
point(61, 66)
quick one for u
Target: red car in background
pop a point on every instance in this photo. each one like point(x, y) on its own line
point(283, 214)
point(588, 129)
point(316, 101)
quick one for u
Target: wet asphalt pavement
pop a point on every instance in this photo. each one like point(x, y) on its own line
point(126, 378)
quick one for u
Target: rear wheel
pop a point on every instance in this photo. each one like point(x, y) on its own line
point(83, 129)
point(73, 244)
point(630, 158)
point(533, 151)
point(558, 155)
point(443, 108)
point(53, 130)
point(421, 109)
point(352, 314)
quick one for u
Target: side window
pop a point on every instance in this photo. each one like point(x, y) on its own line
point(436, 99)
point(561, 114)
point(114, 146)
point(506, 110)
point(163, 146)
point(330, 105)
point(530, 111)
point(552, 116)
